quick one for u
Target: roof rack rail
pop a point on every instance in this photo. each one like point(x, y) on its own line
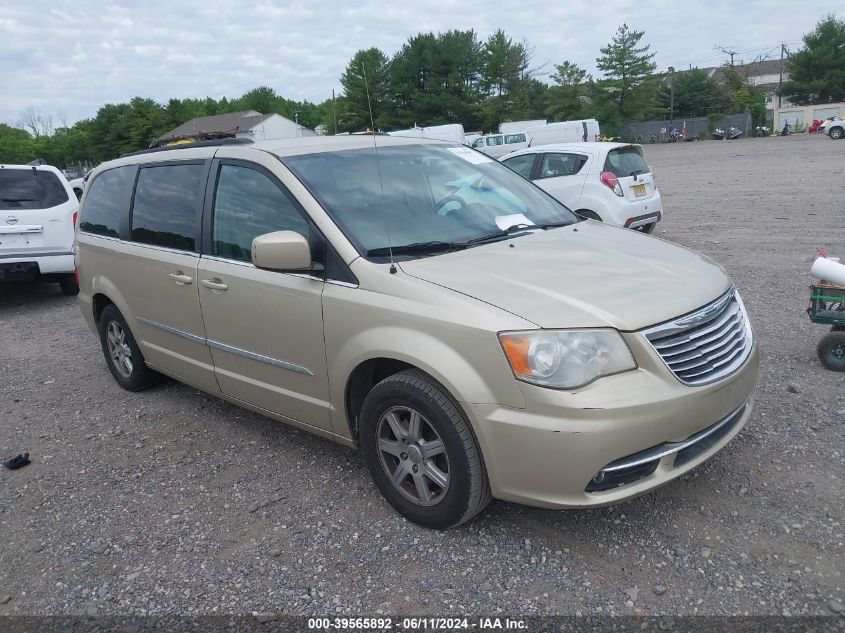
point(208, 143)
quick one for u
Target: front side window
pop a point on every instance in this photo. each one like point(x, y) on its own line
point(248, 204)
point(555, 165)
point(167, 203)
point(30, 189)
point(107, 202)
point(420, 194)
point(479, 142)
point(521, 164)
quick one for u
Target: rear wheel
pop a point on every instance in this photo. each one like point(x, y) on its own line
point(831, 351)
point(69, 285)
point(648, 228)
point(589, 215)
point(123, 356)
point(421, 452)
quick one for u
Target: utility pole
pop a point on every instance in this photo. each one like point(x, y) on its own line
point(780, 79)
point(672, 98)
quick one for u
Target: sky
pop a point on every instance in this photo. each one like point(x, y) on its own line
point(66, 59)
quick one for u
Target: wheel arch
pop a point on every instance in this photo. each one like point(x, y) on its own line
point(363, 361)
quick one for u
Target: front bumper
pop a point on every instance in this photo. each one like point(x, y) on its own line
point(551, 452)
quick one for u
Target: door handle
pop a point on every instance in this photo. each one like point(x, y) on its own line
point(181, 279)
point(214, 285)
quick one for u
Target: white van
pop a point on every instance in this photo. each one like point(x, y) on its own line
point(497, 145)
point(564, 132)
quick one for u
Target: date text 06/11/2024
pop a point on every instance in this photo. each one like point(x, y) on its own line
point(416, 624)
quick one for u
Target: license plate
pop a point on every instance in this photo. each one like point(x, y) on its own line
point(639, 191)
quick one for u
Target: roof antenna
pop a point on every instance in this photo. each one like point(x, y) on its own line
point(378, 168)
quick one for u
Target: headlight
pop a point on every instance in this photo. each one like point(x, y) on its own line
point(566, 358)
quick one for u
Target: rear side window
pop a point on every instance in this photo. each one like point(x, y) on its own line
point(514, 138)
point(107, 202)
point(494, 140)
point(521, 164)
point(626, 161)
point(30, 189)
point(167, 204)
point(248, 204)
point(555, 165)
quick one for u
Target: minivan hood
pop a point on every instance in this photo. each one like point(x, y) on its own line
point(585, 275)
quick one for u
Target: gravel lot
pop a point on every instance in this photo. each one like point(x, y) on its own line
point(171, 501)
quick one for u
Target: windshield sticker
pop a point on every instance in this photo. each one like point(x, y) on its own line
point(469, 155)
point(506, 222)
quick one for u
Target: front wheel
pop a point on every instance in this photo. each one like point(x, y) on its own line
point(421, 452)
point(123, 356)
point(837, 133)
point(831, 350)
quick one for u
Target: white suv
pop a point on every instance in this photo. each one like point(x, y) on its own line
point(37, 217)
point(610, 182)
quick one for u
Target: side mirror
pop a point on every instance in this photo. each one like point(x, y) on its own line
point(281, 250)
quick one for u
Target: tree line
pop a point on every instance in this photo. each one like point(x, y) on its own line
point(456, 77)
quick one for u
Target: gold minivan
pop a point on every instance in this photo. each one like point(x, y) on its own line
point(423, 302)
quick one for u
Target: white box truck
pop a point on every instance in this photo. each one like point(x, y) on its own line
point(564, 132)
point(515, 127)
point(452, 132)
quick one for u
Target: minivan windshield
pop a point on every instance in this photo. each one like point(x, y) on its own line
point(427, 198)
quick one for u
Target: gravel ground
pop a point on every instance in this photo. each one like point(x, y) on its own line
point(171, 501)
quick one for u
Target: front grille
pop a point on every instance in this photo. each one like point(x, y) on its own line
point(706, 345)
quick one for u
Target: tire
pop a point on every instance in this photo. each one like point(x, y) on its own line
point(134, 376)
point(648, 229)
point(589, 215)
point(386, 422)
point(831, 351)
point(837, 328)
point(836, 133)
point(69, 286)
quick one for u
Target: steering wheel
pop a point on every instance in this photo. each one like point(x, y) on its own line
point(443, 202)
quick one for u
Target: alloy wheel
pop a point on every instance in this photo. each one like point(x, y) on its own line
point(413, 455)
point(119, 350)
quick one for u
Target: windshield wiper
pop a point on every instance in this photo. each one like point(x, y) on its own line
point(415, 248)
point(554, 225)
point(500, 235)
point(18, 200)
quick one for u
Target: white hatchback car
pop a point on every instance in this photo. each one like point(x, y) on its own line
point(37, 217)
point(610, 182)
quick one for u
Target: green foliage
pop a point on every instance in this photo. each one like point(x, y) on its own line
point(628, 69)
point(434, 79)
point(128, 127)
point(817, 70)
point(695, 94)
point(567, 99)
point(368, 70)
